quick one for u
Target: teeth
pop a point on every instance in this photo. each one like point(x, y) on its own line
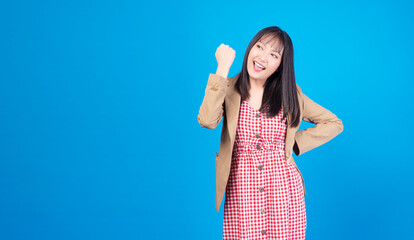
point(258, 65)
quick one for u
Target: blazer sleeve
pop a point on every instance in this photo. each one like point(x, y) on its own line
point(327, 126)
point(212, 108)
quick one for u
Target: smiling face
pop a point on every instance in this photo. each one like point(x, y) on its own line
point(264, 58)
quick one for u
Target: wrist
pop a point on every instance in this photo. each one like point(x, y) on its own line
point(222, 71)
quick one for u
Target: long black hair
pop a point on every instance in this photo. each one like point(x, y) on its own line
point(280, 88)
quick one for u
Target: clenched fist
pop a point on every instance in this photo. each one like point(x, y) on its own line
point(225, 56)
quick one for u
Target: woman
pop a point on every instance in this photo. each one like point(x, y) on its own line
point(262, 108)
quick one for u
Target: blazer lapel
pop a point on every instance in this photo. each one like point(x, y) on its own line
point(290, 134)
point(232, 101)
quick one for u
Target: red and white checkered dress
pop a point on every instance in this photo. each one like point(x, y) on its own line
point(264, 194)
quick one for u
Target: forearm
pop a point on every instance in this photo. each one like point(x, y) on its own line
point(328, 126)
point(212, 108)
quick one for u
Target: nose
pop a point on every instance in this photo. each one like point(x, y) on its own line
point(263, 58)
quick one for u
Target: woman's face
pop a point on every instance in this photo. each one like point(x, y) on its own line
point(264, 58)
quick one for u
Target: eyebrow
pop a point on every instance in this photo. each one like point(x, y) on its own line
point(278, 52)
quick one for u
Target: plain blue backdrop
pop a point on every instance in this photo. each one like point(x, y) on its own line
point(99, 103)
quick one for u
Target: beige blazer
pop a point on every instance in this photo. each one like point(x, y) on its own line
point(222, 99)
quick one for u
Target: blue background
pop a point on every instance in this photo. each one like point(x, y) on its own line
point(99, 103)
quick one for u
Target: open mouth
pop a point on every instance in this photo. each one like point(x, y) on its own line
point(258, 67)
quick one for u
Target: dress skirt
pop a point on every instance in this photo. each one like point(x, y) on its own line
point(264, 195)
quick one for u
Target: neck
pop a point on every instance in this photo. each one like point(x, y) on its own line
point(257, 85)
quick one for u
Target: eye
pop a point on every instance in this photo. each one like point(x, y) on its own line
point(259, 46)
point(274, 55)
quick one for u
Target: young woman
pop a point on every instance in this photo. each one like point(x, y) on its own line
point(262, 108)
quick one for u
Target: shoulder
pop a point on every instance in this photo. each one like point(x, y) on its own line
point(298, 88)
point(300, 96)
point(299, 92)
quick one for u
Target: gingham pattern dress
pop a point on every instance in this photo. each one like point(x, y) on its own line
point(264, 194)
